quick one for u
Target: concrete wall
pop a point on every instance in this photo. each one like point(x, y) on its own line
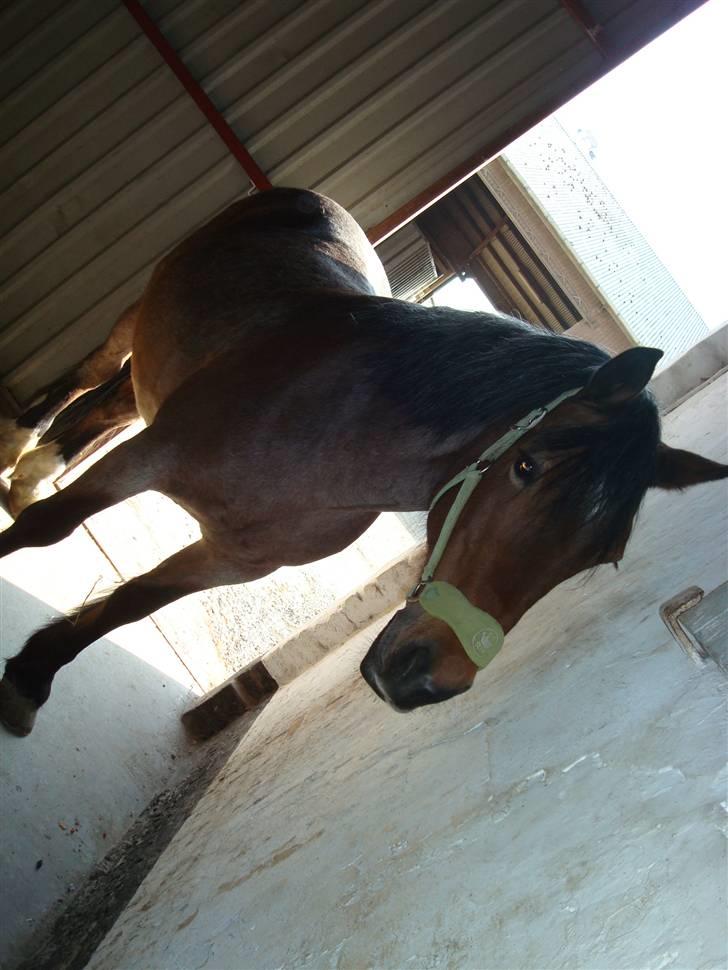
point(569, 811)
point(705, 362)
point(600, 324)
point(609, 247)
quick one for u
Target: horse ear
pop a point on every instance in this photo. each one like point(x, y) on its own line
point(679, 469)
point(623, 377)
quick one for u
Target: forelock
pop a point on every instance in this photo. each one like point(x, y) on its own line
point(605, 470)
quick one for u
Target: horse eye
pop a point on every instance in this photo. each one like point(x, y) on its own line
point(524, 469)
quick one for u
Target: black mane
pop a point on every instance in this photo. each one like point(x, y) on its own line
point(457, 373)
point(454, 372)
point(606, 469)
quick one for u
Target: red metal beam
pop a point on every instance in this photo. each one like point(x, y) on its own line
point(259, 179)
point(578, 12)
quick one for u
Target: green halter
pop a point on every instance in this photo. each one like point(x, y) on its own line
point(480, 634)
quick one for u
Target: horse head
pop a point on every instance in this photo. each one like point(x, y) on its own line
point(560, 500)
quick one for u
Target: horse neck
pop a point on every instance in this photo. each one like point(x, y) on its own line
point(459, 380)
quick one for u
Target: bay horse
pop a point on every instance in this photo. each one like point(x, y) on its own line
point(288, 400)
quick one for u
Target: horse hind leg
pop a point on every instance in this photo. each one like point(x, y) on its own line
point(20, 434)
point(113, 409)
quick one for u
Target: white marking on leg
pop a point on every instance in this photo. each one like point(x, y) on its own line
point(34, 476)
point(13, 442)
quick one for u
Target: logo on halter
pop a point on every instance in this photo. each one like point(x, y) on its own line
point(486, 640)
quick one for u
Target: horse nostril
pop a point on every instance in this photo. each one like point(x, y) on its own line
point(411, 663)
point(406, 680)
point(367, 670)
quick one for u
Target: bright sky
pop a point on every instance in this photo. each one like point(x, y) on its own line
point(659, 121)
point(462, 295)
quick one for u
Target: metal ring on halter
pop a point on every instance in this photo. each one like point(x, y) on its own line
point(482, 465)
point(415, 592)
point(534, 420)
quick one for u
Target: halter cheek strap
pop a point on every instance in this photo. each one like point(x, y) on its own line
point(480, 634)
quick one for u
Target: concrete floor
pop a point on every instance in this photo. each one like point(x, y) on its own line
point(567, 812)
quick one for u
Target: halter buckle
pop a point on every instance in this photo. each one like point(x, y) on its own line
point(538, 416)
point(482, 465)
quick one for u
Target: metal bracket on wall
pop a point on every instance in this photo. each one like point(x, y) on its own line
point(699, 623)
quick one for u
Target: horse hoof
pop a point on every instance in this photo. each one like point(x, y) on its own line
point(17, 713)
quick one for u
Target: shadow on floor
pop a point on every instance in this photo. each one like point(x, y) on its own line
point(74, 929)
point(107, 741)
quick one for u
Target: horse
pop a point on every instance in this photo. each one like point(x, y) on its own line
point(288, 400)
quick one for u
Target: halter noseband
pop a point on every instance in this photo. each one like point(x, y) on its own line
point(480, 634)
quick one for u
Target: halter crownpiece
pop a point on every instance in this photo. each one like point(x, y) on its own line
point(480, 634)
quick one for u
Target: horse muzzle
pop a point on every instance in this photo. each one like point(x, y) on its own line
point(408, 682)
point(409, 668)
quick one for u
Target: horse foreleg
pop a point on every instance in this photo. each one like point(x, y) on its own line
point(27, 680)
point(39, 468)
point(18, 435)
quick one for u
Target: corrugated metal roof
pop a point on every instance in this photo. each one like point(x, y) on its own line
point(610, 248)
point(105, 162)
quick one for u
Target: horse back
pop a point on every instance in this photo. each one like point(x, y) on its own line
point(247, 269)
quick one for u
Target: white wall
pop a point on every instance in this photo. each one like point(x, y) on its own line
point(569, 811)
point(601, 236)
